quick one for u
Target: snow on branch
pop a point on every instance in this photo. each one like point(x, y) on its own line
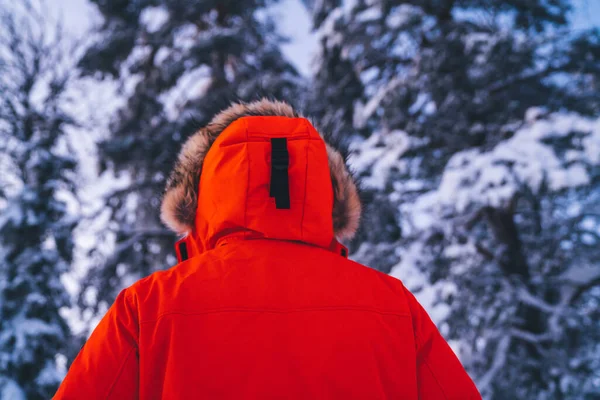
point(531, 337)
point(524, 296)
point(378, 156)
point(362, 114)
point(528, 158)
point(500, 357)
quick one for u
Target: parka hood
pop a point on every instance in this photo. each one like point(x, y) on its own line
point(221, 181)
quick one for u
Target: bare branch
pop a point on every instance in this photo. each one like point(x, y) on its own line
point(536, 75)
point(530, 337)
point(488, 254)
point(584, 288)
point(525, 297)
point(497, 365)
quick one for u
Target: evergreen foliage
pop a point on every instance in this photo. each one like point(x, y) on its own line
point(479, 170)
point(185, 61)
point(36, 241)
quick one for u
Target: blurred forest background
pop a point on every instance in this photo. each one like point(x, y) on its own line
point(473, 124)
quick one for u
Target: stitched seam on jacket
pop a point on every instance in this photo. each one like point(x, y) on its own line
point(247, 180)
point(121, 368)
point(275, 311)
point(264, 139)
point(305, 187)
point(435, 379)
point(136, 309)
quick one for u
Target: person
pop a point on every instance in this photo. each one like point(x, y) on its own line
point(264, 302)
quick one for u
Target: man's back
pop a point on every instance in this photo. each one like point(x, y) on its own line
point(295, 321)
point(265, 303)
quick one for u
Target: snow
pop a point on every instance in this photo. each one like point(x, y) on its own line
point(527, 298)
point(363, 113)
point(161, 55)
point(96, 216)
point(153, 18)
point(572, 176)
point(378, 154)
point(61, 365)
point(430, 108)
point(423, 104)
point(12, 213)
point(534, 113)
point(581, 273)
point(586, 13)
point(370, 14)
point(348, 6)
point(36, 297)
point(591, 145)
point(409, 185)
point(186, 37)
point(22, 333)
point(78, 15)
point(327, 32)
point(402, 15)
point(493, 177)
point(472, 177)
point(476, 38)
point(192, 84)
point(499, 361)
point(10, 390)
point(369, 74)
point(21, 328)
point(49, 375)
point(416, 281)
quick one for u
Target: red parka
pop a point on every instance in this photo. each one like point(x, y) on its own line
point(265, 303)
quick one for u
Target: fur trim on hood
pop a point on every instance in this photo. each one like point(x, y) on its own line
point(178, 209)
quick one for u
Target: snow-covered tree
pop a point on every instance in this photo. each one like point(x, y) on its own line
point(334, 91)
point(36, 241)
point(462, 103)
point(181, 62)
point(336, 84)
point(532, 225)
point(505, 252)
point(456, 74)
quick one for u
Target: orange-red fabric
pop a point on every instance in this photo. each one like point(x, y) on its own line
point(267, 306)
point(234, 185)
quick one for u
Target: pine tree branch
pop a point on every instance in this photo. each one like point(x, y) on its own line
point(524, 78)
point(135, 235)
point(134, 188)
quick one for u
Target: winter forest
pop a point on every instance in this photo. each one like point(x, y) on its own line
point(474, 127)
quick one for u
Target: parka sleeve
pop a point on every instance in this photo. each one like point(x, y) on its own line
point(107, 366)
point(440, 375)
